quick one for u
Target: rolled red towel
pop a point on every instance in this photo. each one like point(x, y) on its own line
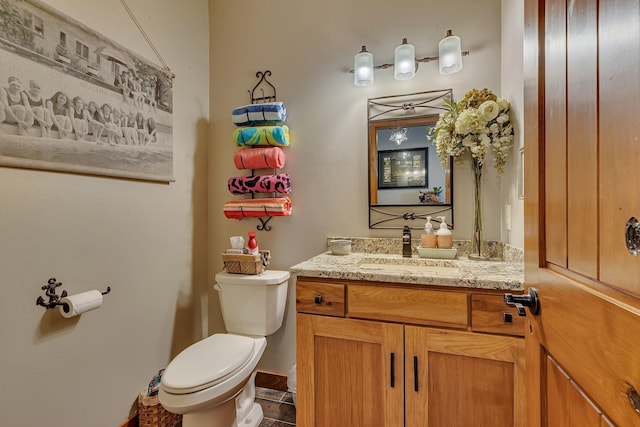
point(259, 158)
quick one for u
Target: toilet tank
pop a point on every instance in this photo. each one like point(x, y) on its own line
point(253, 304)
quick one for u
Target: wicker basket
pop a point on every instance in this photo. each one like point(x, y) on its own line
point(151, 412)
point(246, 264)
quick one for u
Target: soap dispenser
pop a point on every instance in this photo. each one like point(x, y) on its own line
point(443, 236)
point(428, 237)
point(406, 242)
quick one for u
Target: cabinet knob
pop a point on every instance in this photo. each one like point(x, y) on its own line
point(317, 299)
point(530, 300)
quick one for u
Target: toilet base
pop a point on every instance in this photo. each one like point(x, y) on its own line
point(253, 418)
point(240, 411)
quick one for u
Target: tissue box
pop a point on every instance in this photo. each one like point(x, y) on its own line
point(246, 264)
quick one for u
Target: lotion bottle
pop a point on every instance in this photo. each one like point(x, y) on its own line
point(428, 237)
point(253, 244)
point(444, 239)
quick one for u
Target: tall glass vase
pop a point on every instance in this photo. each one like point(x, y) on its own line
point(479, 248)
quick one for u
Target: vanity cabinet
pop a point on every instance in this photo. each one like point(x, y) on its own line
point(406, 355)
point(349, 372)
point(458, 378)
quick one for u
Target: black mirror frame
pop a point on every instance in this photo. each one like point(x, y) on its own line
point(414, 109)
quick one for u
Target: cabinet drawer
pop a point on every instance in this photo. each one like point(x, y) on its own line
point(490, 314)
point(419, 306)
point(320, 298)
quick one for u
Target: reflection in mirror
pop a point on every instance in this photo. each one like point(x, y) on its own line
point(407, 182)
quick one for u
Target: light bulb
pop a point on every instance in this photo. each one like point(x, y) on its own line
point(450, 54)
point(363, 68)
point(404, 66)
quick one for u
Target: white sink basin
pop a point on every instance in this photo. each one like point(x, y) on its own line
point(419, 265)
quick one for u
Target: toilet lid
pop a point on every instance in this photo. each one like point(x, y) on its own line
point(206, 363)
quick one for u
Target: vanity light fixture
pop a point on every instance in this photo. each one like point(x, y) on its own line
point(450, 54)
point(363, 68)
point(405, 62)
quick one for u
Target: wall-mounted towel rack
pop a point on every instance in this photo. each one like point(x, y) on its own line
point(258, 125)
point(264, 92)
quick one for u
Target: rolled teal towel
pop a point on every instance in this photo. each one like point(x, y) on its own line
point(262, 135)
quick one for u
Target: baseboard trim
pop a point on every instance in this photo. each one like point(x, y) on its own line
point(271, 380)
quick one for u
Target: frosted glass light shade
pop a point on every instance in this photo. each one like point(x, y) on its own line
point(363, 68)
point(450, 54)
point(404, 65)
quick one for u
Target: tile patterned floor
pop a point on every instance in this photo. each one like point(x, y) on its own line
point(278, 408)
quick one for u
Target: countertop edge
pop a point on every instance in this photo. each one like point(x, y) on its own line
point(489, 275)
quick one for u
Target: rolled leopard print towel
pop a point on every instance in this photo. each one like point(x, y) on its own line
point(280, 183)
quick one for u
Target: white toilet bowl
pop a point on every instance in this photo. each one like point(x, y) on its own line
point(212, 382)
point(205, 381)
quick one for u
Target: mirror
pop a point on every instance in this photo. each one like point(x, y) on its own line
point(407, 181)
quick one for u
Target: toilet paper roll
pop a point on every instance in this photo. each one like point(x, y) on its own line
point(74, 305)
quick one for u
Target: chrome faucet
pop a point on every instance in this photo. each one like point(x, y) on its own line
point(406, 242)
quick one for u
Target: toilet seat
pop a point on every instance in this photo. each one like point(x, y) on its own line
point(207, 363)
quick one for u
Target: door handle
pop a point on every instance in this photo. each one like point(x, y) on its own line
point(392, 370)
point(634, 398)
point(530, 300)
point(415, 373)
point(632, 236)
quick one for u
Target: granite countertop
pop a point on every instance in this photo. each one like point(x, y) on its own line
point(460, 272)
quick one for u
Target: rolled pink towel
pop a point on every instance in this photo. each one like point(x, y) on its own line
point(259, 158)
point(260, 184)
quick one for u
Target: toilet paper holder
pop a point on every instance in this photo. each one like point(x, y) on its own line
point(54, 299)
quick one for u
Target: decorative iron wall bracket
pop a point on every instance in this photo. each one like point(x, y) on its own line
point(381, 219)
point(262, 76)
point(50, 292)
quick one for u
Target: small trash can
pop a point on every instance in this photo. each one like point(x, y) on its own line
point(291, 383)
point(152, 414)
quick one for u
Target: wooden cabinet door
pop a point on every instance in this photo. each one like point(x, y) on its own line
point(461, 379)
point(567, 404)
point(582, 171)
point(350, 372)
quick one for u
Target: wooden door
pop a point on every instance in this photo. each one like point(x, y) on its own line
point(582, 171)
point(461, 379)
point(350, 372)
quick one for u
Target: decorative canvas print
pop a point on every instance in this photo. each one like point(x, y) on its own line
point(73, 101)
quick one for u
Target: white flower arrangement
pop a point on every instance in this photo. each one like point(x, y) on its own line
point(478, 122)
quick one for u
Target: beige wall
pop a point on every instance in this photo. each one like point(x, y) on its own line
point(147, 241)
point(513, 89)
point(158, 245)
point(309, 47)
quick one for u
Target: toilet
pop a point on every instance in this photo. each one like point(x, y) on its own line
point(212, 382)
